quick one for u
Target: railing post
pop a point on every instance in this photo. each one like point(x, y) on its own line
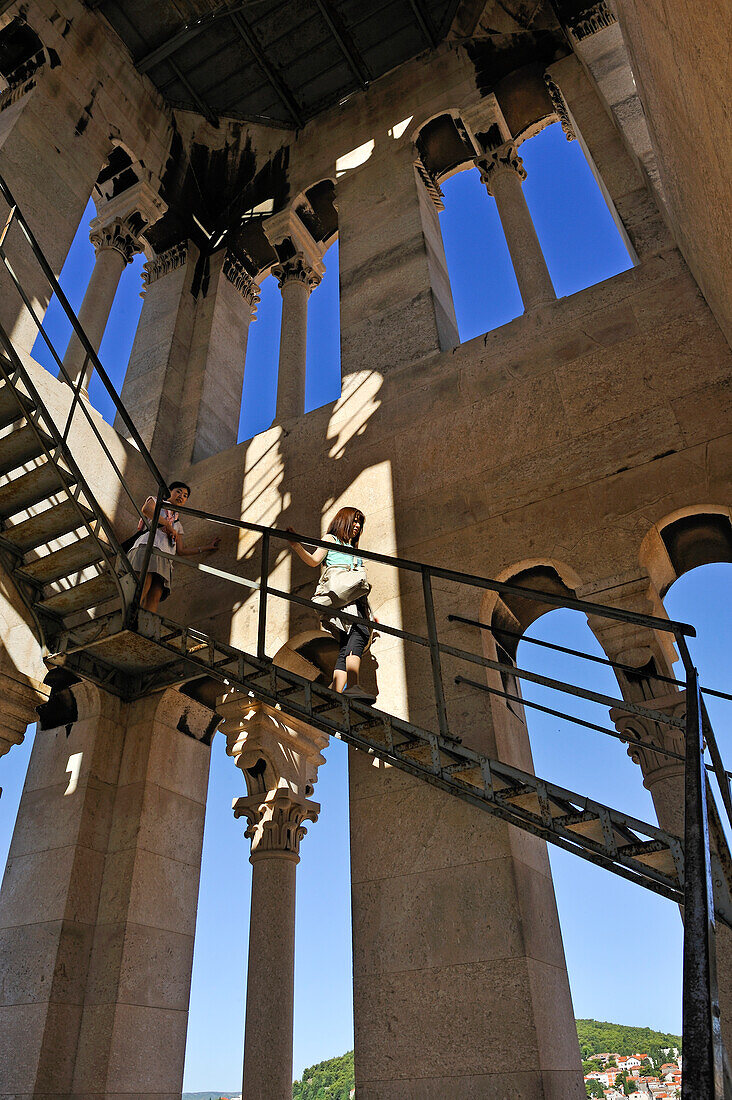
point(263, 591)
point(429, 607)
point(702, 1075)
point(162, 494)
point(77, 393)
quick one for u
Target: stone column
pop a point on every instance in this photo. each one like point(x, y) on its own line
point(503, 174)
point(296, 279)
point(116, 234)
point(279, 757)
point(211, 399)
point(115, 245)
point(98, 905)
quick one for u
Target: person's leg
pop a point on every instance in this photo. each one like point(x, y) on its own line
point(155, 590)
point(145, 590)
point(353, 667)
point(358, 637)
point(339, 673)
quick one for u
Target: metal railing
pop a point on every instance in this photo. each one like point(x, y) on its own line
point(702, 1051)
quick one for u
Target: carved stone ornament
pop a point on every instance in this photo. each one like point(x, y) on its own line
point(635, 727)
point(560, 107)
point(429, 180)
point(296, 270)
point(503, 159)
point(163, 264)
point(275, 824)
point(592, 20)
point(22, 79)
point(118, 235)
point(240, 278)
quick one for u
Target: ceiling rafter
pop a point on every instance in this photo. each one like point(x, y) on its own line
point(348, 49)
point(283, 92)
point(425, 22)
point(203, 107)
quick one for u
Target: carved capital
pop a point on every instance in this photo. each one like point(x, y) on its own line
point(164, 263)
point(503, 159)
point(592, 20)
point(296, 270)
point(118, 235)
point(20, 697)
point(275, 825)
point(242, 281)
point(634, 728)
point(555, 94)
point(279, 757)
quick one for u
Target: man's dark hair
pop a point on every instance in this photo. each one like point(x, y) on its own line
point(179, 485)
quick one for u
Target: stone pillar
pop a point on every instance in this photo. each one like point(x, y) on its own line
point(503, 174)
point(155, 378)
point(396, 300)
point(211, 399)
point(296, 279)
point(98, 905)
point(50, 168)
point(618, 174)
point(279, 757)
point(116, 234)
point(115, 246)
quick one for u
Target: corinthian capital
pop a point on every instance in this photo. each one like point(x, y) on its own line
point(296, 270)
point(650, 757)
point(241, 280)
point(275, 825)
point(118, 235)
point(503, 159)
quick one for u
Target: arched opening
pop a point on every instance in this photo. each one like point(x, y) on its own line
point(21, 53)
point(576, 231)
point(609, 927)
point(315, 210)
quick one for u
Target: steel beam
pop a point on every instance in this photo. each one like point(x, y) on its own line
point(349, 51)
point(283, 92)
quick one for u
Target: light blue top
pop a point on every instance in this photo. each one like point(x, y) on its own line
point(337, 557)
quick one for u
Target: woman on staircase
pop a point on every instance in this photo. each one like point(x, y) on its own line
point(168, 541)
point(343, 587)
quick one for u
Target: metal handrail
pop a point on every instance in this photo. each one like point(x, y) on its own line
point(83, 338)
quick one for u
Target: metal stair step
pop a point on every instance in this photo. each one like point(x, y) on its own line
point(69, 559)
point(29, 488)
point(9, 410)
point(87, 594)
point(20, 446)
point(58, 519)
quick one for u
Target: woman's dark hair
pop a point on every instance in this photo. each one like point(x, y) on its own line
point(342, 525)
point(179, 485)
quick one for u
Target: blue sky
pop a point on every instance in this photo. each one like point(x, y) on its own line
point(611, 929)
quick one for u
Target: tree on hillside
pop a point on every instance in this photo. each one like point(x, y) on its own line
point(595, 1089)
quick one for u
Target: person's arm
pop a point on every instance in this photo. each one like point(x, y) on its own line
point(317, 555)
point(148, 511)
point(192, 551)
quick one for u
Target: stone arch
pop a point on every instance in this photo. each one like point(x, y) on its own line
point(689, 537)
point(509, 615)
point(22, 53)
point(444, 146)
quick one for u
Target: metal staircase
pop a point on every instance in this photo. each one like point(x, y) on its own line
point(65, 560)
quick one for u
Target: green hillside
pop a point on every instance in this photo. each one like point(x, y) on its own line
point(334, 1079)
point(331, 1080)
point(596, 1037)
